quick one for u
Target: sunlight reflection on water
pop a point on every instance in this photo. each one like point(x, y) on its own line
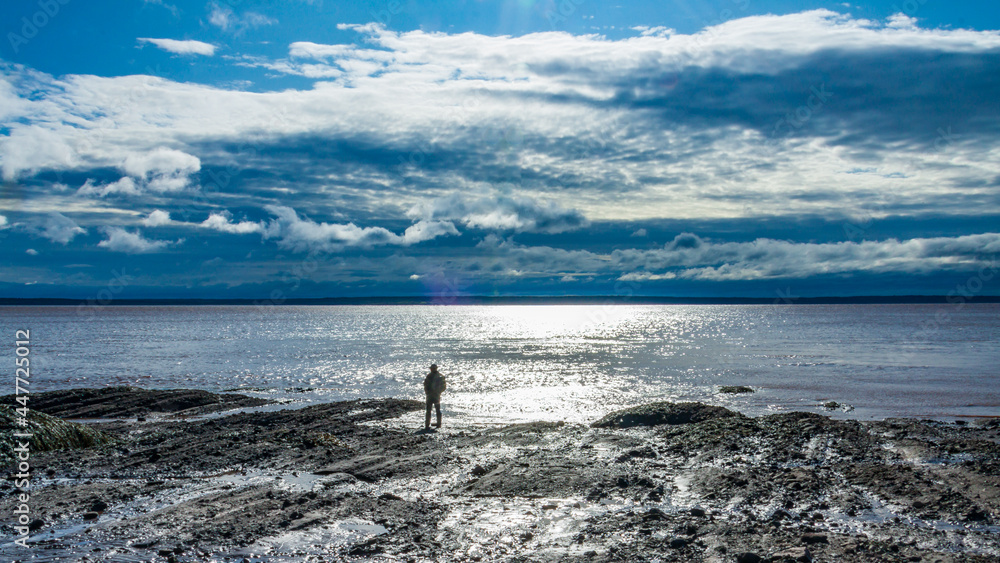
point(516, 363)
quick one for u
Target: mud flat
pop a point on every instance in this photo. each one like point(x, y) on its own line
point(358, 480)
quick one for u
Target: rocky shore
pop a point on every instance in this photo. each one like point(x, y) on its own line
point(360, 480)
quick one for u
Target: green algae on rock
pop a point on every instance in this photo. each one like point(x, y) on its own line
point(47, 432)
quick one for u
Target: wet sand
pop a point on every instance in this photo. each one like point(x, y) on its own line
point(360, 480)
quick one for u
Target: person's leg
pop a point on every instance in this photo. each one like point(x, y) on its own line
point(437, 406)
point(427, 419)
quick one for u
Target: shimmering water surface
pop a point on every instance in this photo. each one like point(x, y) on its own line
point(515, 363)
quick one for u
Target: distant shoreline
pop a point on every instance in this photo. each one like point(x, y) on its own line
point(526, 300)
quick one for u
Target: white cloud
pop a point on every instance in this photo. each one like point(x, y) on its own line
point(122, 186)
point(303, 234)
point(514, 213)
point(427, 230)
point(163, 169)
point(179, 47)
point(226, 19)
point(57, 228)
point(902, 21)
point(28, 149)
point(221, 222)
point(161, 161)
point(31, 252)
point(169, 7)
point(160, 170)
point(306, 49)
point(645, 276)
point(3, 222)
point(157, 218)
point(120, 240)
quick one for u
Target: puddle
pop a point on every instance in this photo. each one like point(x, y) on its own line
point(319, 540)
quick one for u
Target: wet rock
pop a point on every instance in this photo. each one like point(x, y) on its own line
point(654, 414)
point(48, 433)
point(98, 506)
point(638, 453)
point(814, 538)
point(479, 471)
point(91, 515)
point(678, 543)
point(779, 515)
point(654, 514)
point(801, 554)
point(976, 514)
point(800, 461)
point(36, 524)
point(735, 389)
point(127, 402)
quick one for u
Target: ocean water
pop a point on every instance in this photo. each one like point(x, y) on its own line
point(539, 362)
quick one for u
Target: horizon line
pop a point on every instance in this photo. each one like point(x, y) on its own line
point(511, 299)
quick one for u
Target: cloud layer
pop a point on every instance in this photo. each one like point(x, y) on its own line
point(493, 157)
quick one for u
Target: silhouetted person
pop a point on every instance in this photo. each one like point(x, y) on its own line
point(434, 385)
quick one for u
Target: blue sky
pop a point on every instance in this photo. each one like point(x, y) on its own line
point(312, 148)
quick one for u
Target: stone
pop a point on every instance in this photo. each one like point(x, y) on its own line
point(749, 557)
point(793, 554)
point(654, 414)
point(813, 538)
point(735, 389)
point(976, 515)
point(654, 514)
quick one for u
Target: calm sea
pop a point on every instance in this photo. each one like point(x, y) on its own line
point(516, 363)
